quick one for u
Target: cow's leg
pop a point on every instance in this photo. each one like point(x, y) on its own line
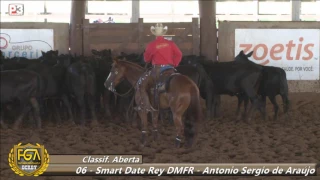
point(107, 103)
point(216, 105)
point(36, 111)
point(246, 102)
point(263, 107)
point(209, 102)
point(82, 109)
point(275, 106)
point(286, 103)
point(2, 124)
point(67, 104)
point(25, 110)
point(240, 99)
point(92, 109)
point(55, 110)
point(250, 92)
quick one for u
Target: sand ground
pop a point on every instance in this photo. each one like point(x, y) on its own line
point(295, 139)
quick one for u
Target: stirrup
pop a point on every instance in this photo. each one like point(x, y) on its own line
point(152, 109)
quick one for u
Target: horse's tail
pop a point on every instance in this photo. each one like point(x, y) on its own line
point(284, 91)
point(194, 115)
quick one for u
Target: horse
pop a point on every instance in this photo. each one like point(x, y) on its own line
point(180, 94)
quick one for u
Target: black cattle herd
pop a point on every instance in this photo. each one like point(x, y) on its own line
point(71, 88)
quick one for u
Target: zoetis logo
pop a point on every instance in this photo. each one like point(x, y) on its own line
point(292, 50)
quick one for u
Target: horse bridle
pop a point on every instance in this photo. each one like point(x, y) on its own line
point(112, 89)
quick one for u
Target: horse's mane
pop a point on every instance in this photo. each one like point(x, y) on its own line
point(131, 63)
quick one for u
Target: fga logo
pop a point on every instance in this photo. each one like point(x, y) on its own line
point(16, 9)
point(28, 159)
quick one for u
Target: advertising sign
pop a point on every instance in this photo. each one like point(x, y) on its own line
point(294, 50)
point(26, 43)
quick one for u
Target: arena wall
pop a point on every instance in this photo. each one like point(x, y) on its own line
point(133, 37)
point(61, 32)
point(226, 49)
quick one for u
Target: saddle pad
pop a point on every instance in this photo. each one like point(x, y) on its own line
point(163, 69)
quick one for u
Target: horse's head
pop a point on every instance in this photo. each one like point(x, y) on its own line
point(116, 75)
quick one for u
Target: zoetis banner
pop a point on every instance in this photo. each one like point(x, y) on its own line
point(294, 50)
point(26, 43)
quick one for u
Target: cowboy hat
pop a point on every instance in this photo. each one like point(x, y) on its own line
point(159, 30)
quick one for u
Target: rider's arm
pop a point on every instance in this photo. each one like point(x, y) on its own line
point(177, 55)
point(148, 54)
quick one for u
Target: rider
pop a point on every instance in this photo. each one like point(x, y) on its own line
point(163, 54)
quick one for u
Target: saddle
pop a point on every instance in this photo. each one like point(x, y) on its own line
point(164, 76)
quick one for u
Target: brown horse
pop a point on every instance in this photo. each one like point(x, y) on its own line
point(181, 95)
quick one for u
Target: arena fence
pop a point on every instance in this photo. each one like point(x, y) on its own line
point(133, 37)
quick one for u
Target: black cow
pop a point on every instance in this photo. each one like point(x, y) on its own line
point(204, 83)
point(273, 83)
point(24, 86)
point(232, 78)
point(81, 83)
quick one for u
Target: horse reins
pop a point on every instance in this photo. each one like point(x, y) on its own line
point(125, 94)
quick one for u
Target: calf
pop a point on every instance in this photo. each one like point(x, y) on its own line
point(25, 86)
point(273, 83)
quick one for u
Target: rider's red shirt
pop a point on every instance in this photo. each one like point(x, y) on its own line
point(162, 52)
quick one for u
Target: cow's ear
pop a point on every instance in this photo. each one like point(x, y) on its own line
point(241, 52)
point(249, 54)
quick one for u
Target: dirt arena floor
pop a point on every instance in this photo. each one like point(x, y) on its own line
point(289, 140)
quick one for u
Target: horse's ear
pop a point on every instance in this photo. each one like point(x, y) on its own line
point(249, 54)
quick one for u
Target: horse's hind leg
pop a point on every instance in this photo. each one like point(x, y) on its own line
point(177, 118)
point(275, 106)
point(92, 109)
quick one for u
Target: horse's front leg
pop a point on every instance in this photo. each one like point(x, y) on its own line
point(144, 127)
point(155, 117)
point(143, 114)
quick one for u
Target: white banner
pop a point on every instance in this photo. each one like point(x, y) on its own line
point(26, 43)
point(294, 50)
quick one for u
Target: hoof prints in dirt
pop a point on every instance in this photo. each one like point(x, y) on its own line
point(293, 140)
